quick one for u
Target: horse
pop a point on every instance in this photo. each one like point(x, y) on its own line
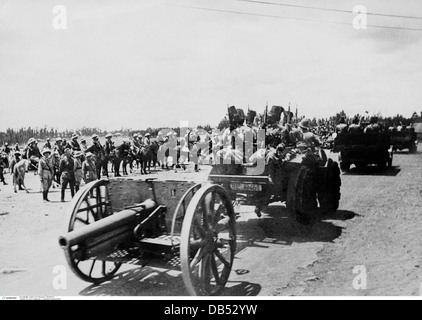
point(148, 155)
point(122, 155)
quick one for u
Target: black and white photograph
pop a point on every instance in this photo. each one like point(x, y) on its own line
point(210, 149)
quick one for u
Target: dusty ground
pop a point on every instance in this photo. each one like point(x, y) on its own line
point(371, 247)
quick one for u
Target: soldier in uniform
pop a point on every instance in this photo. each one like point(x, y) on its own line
point(58, 146)
point(89, 169)
point(65, 144)
point(147, 140)
point(136, 142)
point(78, 159)
point(47, 145)
point(356, 126)
point(309, 140)
point(373, 126)
point(6, 148)
point(46, 172)
point(109, 150)
point(83, 145)
point(273, 134)
point(67, 166)
point(97, 149)
point(3, 165)
point(75, 144)
point(342, 126)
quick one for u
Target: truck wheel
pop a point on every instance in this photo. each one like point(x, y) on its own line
point(329, 190)
point(413, 148)
point(301, 197)
point(345, 166)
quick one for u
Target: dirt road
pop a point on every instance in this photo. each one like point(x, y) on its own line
point(371, 246)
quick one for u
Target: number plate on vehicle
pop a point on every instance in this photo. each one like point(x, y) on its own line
point(245, 187)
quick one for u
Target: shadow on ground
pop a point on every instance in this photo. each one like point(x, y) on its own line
point(274, 227)
point(373, 171)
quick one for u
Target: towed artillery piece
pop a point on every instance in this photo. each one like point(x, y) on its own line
point(185, 225)
point(363, 149)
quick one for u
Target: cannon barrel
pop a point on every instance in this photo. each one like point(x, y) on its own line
point(102, 236)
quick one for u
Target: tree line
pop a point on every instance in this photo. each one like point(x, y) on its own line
point(22, 135)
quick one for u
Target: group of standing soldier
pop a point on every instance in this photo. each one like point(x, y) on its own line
point(64, 163)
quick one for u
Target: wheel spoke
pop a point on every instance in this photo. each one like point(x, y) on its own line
point(215, 269)
point(223, 224)
point(198, 257)
point(199, 228)
point(104, 268)
point(82, 220)
point(222, 259)
point(92, 268)
point(206, 213)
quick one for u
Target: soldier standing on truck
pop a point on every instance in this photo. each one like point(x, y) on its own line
point(342, 126)
point(373, 127)
point(309, 140)
point(356, 126)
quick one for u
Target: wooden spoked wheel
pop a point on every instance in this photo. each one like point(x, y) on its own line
point(208, 241)
point(90, 204)
point(180, 211)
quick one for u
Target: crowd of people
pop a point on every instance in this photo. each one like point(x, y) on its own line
point(62, 163)
point(68, 163)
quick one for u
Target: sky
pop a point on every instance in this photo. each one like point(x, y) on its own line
point(153, 63)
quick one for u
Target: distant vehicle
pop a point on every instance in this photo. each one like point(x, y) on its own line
point(407, 139)
point(363, 149)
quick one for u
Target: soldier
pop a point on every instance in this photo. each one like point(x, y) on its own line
point(16, 147)
point(83, 145)
point(97, 149)
point(109, 145)
point(136, 141)
point(274, 132)
point(232, 137)
point(46, 172)
point(89, 169)
point(78, 157)
point(58, 146)
point(373, 127)
point(47, 145)
point(309, 139)
point(356, 126)
point(31, 150)
point(16, 158)
point(109, 150)
point(6, 148)
point(65, 144)
point(67, 165)
point(74, 143)
point(3, 165)
point(147, 140)
point(342, 126)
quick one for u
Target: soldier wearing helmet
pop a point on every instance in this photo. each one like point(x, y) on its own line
point(309, 139)
point(46, 172)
